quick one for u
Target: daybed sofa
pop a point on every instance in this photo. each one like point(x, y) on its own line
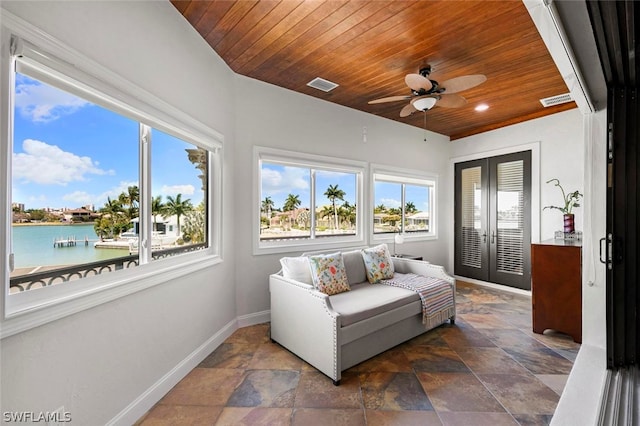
point(333, 332)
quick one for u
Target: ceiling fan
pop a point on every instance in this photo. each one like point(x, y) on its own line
point(427, 93)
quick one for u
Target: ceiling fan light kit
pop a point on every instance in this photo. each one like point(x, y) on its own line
point(423, 104)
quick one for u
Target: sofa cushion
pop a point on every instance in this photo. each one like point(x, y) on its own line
point(367, 300)
point(297, 268)
point(378, 263)
point(354, 264)
point(328, 273)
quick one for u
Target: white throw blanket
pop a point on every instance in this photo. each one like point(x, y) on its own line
point(436, 296)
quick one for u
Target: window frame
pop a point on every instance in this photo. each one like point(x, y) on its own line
point(312, 161)
point(25, 310)
point(404, 177)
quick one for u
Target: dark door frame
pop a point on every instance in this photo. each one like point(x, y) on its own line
point(488, 269)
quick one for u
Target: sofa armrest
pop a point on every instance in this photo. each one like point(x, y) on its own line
point(303, 321)
point(419, 267)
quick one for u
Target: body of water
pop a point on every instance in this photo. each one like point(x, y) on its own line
point(33, 246)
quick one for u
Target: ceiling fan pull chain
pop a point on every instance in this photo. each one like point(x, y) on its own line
point(425, 125)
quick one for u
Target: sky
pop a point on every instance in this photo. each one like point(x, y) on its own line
point(278, 181)
point(68, 152)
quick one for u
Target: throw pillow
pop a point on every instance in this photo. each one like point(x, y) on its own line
point(378, 263)
point(296, 268)
point(328, 273)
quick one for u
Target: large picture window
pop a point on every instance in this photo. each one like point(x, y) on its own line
point(403, 203)
point(307, 200)
point(97, 185)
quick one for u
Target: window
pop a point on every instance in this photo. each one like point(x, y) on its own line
point(307, 200)
point(100, 182)
point(403, 202)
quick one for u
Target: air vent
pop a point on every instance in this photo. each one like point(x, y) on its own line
point(322, 84)
point(556, 100)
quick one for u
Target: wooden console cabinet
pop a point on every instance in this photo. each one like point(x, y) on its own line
point(556, 287)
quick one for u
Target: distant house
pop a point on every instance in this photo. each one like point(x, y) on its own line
point(162, 225)
point(288, 218)
point(418, 220)
point(80, 215)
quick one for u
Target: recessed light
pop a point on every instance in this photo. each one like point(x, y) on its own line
point(482, 107)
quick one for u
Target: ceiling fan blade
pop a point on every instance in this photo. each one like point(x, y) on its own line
point(407, 110)
point(451, 101)
point(417, 82)
point(390, 99)
point(458, 84)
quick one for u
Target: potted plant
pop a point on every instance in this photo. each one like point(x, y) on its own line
point(571, 200)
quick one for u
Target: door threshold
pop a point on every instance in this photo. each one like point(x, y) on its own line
point(494, 285)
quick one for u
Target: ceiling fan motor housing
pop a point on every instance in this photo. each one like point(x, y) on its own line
point(435, 88)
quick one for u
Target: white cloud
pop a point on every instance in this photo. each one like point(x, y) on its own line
point(291, 180)
point(49, 165)
point(390, 203)
point(114, 192)
point(178, 189)
point(80, 198)
point(43, 103)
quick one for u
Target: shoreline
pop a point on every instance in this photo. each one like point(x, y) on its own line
point(27, 270)
point(52, 224)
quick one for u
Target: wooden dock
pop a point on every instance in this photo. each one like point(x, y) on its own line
point(65, 242)
point(70, 241)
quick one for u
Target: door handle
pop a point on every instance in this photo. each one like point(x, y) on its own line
point(493, 237)
point(608, 251)
point(484, 237)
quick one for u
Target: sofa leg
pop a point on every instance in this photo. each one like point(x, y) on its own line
point(336, 382)
point(452, 320)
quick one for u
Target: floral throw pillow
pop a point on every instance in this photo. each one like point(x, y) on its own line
point(328, 273)
point(377, 262)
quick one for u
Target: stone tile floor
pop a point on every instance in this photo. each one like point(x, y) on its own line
point(487, 369)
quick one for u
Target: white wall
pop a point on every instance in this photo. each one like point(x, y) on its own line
point(561, 156)
point(273, 117)
point(97, 362)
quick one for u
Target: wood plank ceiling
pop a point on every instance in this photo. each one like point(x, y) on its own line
point(367, 47)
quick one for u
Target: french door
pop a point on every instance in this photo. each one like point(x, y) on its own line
point(493, 219)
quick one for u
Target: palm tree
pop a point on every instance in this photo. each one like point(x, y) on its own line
point(112, 220)
point(291, 203)
point(380, 209)
point(333, 194)
point(178, 207)
point(326, 211)
point(267, 206)
point(112, 207)
point(409, 207)
point(131, 199)
point(157, 207)
point(347, 213)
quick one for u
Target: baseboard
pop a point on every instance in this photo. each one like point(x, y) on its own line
point(151, 396)
point(494, 286)
point(253, 319)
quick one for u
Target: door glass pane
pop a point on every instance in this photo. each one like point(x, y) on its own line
point(471, 206)
point(510, 215)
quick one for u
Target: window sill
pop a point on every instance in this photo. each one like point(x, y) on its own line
point(34, 316)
